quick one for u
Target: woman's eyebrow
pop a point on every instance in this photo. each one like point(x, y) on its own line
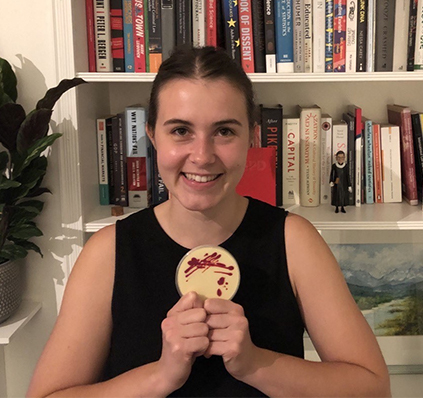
point(188, 123)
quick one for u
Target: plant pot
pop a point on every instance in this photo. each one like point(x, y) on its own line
point(10, 289)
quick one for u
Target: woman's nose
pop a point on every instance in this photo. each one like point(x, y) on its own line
point(202, 151)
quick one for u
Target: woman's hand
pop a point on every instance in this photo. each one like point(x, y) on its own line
point(184, 333)
point(229, 336)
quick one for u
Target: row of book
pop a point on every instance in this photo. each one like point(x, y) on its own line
point(262, 36)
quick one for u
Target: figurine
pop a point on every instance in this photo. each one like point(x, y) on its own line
point(340, 182)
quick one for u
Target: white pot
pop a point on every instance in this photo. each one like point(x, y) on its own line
point(10, 289)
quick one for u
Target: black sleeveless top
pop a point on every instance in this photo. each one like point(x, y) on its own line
point(144, 290)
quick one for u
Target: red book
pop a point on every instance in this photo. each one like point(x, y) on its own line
point(116, 26)
point(401, 116)
point(139, 36)
point(246, 36)
point(211, 23)
point(377, 164)
point(259, 178)
point(89, 9)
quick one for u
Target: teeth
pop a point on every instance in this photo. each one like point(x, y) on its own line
point(197, 178)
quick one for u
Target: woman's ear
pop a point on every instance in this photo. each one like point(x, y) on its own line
point(255, 134)
point(150, 134)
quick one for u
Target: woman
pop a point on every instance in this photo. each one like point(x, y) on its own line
point(123, 331)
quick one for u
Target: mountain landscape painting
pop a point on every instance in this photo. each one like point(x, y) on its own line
point(386, 281)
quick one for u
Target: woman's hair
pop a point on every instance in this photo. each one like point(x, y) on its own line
point(340, 153)
point(207, 63)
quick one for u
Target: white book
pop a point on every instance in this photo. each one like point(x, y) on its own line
point(198, 23)
point(402, 16)
point(371, 35)
point(358, 167)
point(103, 172)
point(308, 36)
point(298, 36)
point(318, 36)
point(103, 41)
point(418, 53)
point(291, 160)
point(339, 138)
point(391, 163)
point(351, 37)
point(325, 158)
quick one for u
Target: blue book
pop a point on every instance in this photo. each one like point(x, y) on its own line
point(329, 36)
point(368, 160)
point(128, 36)
point(284, 37)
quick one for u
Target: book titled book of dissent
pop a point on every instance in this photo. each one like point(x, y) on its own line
point(351, 37)
point(402, 17)
point(103, 42)
point(339, 35)
point(246, 35)
point(326, 159)
point(138, 14)
point(310, 125)
point(259, 178)
point(271, 136)
point(391, 163)
point(401, 116)
point(116, 25)
point(103, 172)
point(284, 37)
point(318, 36)
point(377, 164)
point(291, 160)
point(136, 153)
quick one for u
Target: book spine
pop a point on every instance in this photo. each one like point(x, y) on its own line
point(89, 10)
point(418, 53)
point(211, 23)
point(402, 16)
point(362, 36)
point(110, 163)
point(183, 22)
point(298, 36)
point(246, 36)
point(119, 161)
point(103, 43)
point(154, 35)
point(103, 177)
point(358, 167)
point(385, 12)
point(326, 158)
point(377, 164)
point(310, 125)
point(351, 37)
point(138, 13)
point(417, 120)
point(350, 120)
point(147, 37)
point(368, 161)
point(168, 27)
point(339, 35)
point(308, 36)
point(136, 154)
point(291, 161)
point(318, 36)
point(271, 135)
point(371, 35)
point(329, 36)
point(411, 43)
point(269, 36)
point(284, 36)
point(230, 13)
point(339, 138)
point(199, 23)
point(116, 26)
point(391, 164)
point(128, 33)
point(258, 36)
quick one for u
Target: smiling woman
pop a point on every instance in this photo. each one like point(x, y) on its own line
point(129, 333)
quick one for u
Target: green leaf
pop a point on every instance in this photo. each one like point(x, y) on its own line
point(11, 117)
point(34, 127)
point(4, 161)
point(24, 231)
point(55, 93)
point(8, 81)
point(29, 246)
point(22, 216)
point(6, 183)
point(34, 206)
point(12, 251)
point(37, 191)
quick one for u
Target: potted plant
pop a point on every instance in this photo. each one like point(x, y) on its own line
point(24, 139)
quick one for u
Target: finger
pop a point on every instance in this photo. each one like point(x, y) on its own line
point(187, 301)
point(197, 346)
point(215, 348)
point(218, 335)
point(195, 330)
point(221, 306)
point(219, 321)
point(193, 315)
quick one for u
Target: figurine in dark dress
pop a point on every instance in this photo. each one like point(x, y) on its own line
point(340, 182)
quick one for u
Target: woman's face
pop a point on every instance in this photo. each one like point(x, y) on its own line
point(202, 139)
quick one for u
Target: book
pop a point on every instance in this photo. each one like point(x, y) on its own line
point(168, 28)
point(246, 36)
point(147, 36)
point(418, 52)
point(183, 22)
point(103, 43)
point(259, 178)
point(116, 26)
point(110, 163)
point(269, 36)
point(339, 139)
point(371, 34)
point(308, 36)
point(284, 36)
point(310, 125)
point(411, 43)
point(291, 160)
point(318, 36)
point(402, 16)
point(211, 22)
point(401, 116)
point(417, 119)
point(384, 51)
point(230, 14)
point(361, 61)
point(89, 11)
point(138, 15)
point(351, 38)
point(377, 164)
point(350, 120)
point(328, 35)
point(128, 35)
point(326, 159)
point(154, 35)
point(271, 135)
point(103, 172)
point(356, 112)
point(199, 22)
point(391, 163)
point(298, 36)
point(258, 36)
point(339, 36)
point(368, 161)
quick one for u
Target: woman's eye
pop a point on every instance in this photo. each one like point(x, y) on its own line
point(225, 132)
point(181, 132)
